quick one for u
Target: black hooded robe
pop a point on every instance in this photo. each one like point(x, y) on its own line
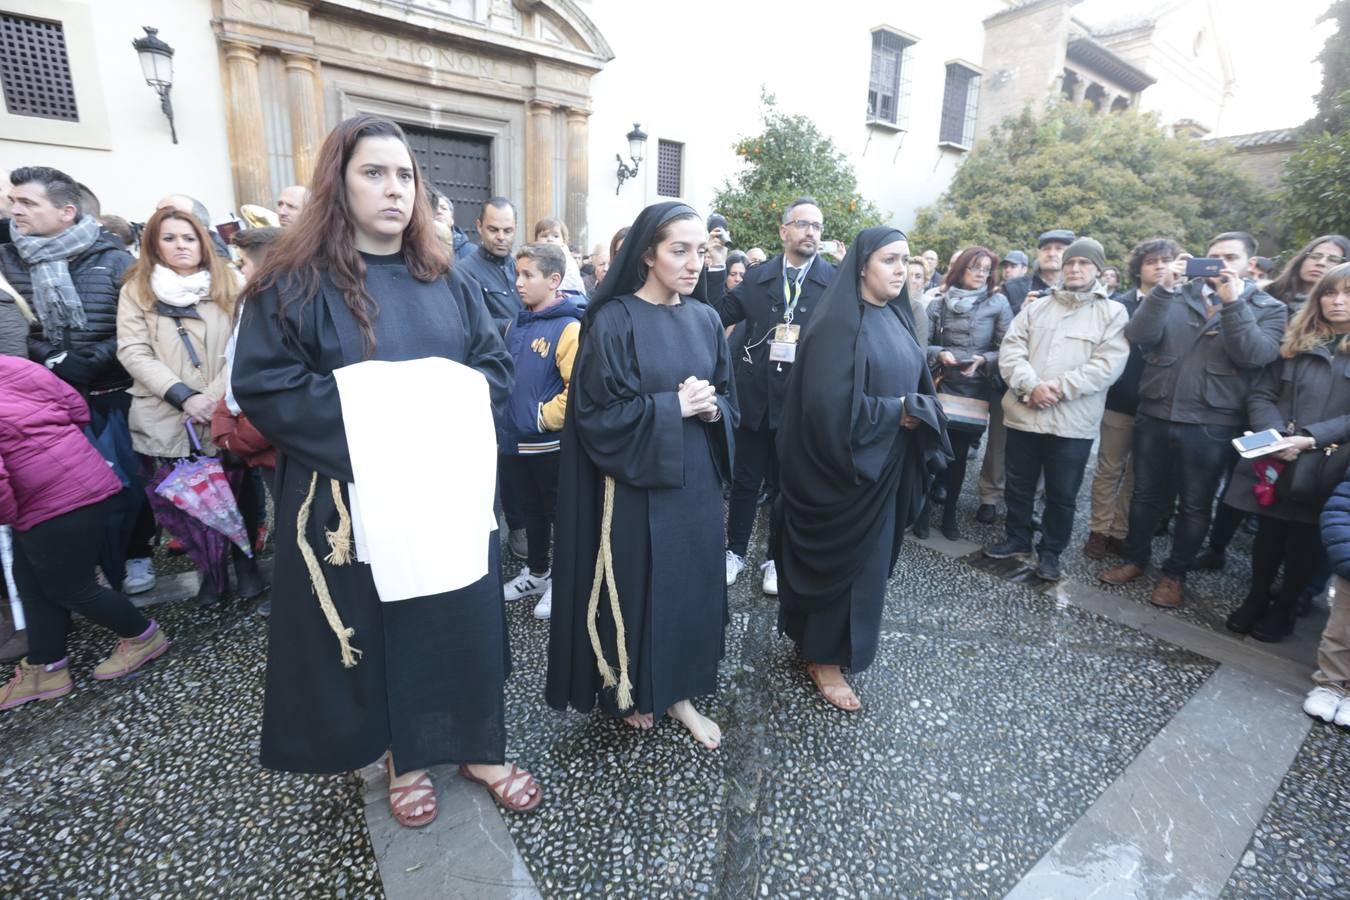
point(851, 476)
point(667, 535)
point(429, 682)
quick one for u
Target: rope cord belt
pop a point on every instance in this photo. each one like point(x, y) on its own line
point(604, 570)
point(339, 556)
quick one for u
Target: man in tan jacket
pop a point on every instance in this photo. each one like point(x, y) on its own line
point(1059, 357)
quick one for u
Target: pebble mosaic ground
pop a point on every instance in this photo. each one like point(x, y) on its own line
point(995, 715)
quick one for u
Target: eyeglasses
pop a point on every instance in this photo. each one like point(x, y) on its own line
point(817, 227)
point(978, 271)
point(1327, 258)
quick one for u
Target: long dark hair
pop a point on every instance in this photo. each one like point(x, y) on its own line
point(323, 239)
point(1288, 284)
point(967, 258)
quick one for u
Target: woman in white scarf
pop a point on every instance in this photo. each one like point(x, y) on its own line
point(173, 323)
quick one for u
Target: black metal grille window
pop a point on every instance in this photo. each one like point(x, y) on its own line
point(35, 69)
point(960, 101)
point(669, 168)
point(884, 84)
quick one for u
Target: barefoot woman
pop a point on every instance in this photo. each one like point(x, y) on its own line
point(859, 426)
point(639, 598)
point(362, 276)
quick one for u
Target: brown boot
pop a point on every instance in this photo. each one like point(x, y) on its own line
point(1115, 547)
point(1095, 548)
point(32, 682)
point(1168, 593)
point(132, 653)
point(13, 644)
point(1122, 574)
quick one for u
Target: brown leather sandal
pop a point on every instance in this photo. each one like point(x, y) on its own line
point(401, 806)
point(814, 671)
point(518, 800)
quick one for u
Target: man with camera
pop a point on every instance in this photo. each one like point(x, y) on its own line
point(775, 301)
point(1206, 332)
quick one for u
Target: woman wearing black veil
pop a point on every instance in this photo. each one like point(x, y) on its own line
point(860, 429)
point(639, 591)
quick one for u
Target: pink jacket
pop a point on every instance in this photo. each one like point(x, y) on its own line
point(47, 465)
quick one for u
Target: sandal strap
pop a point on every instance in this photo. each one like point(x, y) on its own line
point(510, 797)
point(398, 792)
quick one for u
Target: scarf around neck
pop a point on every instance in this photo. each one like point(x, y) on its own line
point(55, 300)
point(180, 290)
point(962, 300)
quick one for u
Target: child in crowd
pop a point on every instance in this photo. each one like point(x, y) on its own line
point(1328, 699)
point(543, 343)
point(554, 231)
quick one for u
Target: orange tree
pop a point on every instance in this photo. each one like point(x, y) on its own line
point(789, 158)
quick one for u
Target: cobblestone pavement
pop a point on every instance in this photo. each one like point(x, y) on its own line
point(1011, 741)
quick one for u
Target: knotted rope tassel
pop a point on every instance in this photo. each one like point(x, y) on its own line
point(604, 570)
point(316, 579)
point(340, 541)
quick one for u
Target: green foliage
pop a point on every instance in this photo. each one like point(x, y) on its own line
point(788, 159)
point(1335, 60)
point(1118, 178)
point(1317, 187)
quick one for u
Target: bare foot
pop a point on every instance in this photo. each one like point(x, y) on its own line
point(833, 687)
point(641, 721)
point(494, 774)
point(704, 730)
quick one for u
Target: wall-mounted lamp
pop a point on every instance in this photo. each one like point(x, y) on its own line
point(637, 144)
point(157, 64)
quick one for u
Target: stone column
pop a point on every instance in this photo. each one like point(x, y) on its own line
point(248, 150)
point(538, 167)
point(578, 176)
point(306, 109)
point(1080, 86)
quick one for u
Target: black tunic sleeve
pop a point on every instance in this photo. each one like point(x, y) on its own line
point(875, 429)
point(637, 438)
point(721, 434)
point(282, 387)
point(486, 351)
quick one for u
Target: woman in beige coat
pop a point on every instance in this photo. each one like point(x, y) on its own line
point(174, 318)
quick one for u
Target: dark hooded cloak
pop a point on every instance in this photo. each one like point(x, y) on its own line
point(623, 420)
point(848, 469)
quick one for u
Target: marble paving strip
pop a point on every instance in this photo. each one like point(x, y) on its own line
point(1176, 822)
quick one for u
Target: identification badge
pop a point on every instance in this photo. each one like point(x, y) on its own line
point(786, 334)
point(783, 351)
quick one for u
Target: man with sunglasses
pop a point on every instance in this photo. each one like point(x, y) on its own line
point(775, 301)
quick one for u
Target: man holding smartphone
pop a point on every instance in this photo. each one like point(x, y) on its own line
point(1204, 340)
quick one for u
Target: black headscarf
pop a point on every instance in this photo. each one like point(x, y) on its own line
point(829, 505)
point(626, 271)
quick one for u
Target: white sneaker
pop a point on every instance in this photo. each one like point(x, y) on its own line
point(140, 576)
point(544, 608)
point(734, 566)
point(1322, 704)
point(526, 585)
point(770, 583)
point(1343, 713)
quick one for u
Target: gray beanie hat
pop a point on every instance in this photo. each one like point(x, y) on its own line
point(1086, 248)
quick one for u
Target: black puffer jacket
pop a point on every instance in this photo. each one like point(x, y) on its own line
point(91, 364)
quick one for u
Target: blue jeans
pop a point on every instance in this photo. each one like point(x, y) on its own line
point(1063, 461)
point(1175, 460)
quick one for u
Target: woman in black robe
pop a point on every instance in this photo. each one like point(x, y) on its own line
point(639, 595)
point(859, 433)
point(361, 276)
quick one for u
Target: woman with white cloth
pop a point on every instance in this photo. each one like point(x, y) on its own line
point(362, 277)
point(173, 322)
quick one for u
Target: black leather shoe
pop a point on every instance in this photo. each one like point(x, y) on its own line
point(1276, 625)
point(1047, 568)
point(1243, 619)
point(1005, 549)
point(248, 581)
point(207, 596)
point(986, 514)
point(1208, 561)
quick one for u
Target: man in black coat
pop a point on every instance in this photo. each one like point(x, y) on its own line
point(775, 302)
point(70, 271)
point(490, 262)
point(1043, 276)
